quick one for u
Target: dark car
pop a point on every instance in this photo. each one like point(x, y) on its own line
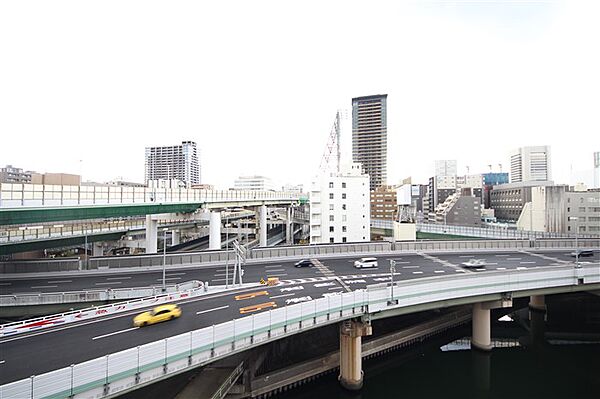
point(582, 253)
point(304, 263)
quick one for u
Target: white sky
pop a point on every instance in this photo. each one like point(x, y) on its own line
point(257, 83)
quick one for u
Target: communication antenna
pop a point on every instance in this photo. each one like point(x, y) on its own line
point(332, 151)
point(490, 166)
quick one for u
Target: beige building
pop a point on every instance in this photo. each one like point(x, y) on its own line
point(561, 209)
point(384, 203)
point(58, 179)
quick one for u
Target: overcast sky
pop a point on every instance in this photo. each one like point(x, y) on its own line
point(256, 84)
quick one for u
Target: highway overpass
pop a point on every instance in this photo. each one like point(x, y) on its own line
point(331, 292)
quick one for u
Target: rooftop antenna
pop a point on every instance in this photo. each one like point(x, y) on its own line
point(332, 149)
point(490, 166)
point(500, 166)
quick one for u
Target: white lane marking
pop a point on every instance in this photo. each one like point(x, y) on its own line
point(521, 268)
point(118, 278)
point(176, 274)
point(328, 284)
point(275, 270)
point(466, 256)
point(43, 286)
point(296, 288)
point(60, 281)
point(411, 267)
point(513, 258)
point(417, 272)
point(501, 268)
point(524, 263)
point(297, 300)
point(336, 288)
point(382, 279)
point(115, 333)
point(169, 278)
point(460, 271)
point(281, 296)
point(490, 264)
point(111, 283)
point(439, 271)
point(402, 263)
point(355, 281)
point(210, 310)
point(5, 283)
point(266, 267)
point(217, 279)
point(503, 255)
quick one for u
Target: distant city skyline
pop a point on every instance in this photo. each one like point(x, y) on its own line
point(465, 81)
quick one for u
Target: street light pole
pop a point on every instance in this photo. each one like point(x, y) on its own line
point(227, 251)
point(392, 301)
point(164, 269)
point(576, 241)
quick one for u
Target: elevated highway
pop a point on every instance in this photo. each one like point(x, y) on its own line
point(308, 297)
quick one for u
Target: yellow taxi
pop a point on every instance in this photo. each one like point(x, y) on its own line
point(156, 315)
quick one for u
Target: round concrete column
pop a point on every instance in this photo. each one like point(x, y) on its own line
point(151, 235)
point(481, 336)
point(214, 232)
point(351, 374)
point(175, 237)
point(537, 303)
point(263, 226)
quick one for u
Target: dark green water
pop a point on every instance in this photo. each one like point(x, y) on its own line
point(548, 372)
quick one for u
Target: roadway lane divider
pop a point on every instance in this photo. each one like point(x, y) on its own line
point(256, 308)
point(250, 295)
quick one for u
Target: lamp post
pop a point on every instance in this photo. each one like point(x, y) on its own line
point(226, 250)
point(164, 268)
point(392, 301)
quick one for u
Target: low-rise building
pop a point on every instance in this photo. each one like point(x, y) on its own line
point(508, 200)
point(384, 204)
point(257, 183)
point(10, 174)
point(460, 208)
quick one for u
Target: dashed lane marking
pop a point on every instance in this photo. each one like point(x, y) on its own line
point(556, 260)
point(411, 267)
point(60, 281)
point(213, 309)
point(114, 333)
point(118, 278)
point(33, 287)
point(525, 263)
point(417, 272)
point(281, 296)
point(439, 271)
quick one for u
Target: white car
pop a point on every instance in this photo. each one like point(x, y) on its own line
point(475, 263)
point(365, 262)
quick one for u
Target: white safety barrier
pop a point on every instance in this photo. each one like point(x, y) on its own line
point(197, 288)
point(116, 373)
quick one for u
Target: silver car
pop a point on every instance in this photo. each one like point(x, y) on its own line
point(474, 263)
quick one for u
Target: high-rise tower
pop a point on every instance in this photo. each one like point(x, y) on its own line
point(530, 164)
point(369, 136)
point(173, 162)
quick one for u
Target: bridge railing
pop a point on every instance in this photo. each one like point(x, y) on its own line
point(118, 372)
point(490, 231)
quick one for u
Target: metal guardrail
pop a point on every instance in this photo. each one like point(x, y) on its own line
point(196, 258)
point(119, 372)
point(489, 232)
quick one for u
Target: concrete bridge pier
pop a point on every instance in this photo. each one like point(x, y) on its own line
point(481, 337)
point(351, 374)
point(214, 232)
point(262, 225)
point(289, 227)
point(151, 235)
point(175, 237)
point(97, 249)
point(537, 319)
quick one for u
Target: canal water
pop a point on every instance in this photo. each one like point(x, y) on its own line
point(515, 368)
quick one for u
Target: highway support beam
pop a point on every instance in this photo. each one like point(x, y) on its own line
point(175, 237)
point(151, 234)
point(262, 226)
point(481, 337)
point(214, 232)
point(351, 333)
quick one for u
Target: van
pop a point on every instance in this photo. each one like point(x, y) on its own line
point(365, 262)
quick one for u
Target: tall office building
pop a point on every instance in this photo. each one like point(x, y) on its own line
point(173, 162)
point(597, 169)
point(530, 164)
point(369, 137)
point(445, 168)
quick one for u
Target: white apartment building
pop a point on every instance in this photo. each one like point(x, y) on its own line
point(340, 207)
point(530, 164)
point(597, 169)
point(258, 183)
point(173, 162)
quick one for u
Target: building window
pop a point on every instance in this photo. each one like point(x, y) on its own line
point(343, 229)
point(582, 209)
point(330, 195)
point(331, 229)
point(344, 217)
point(343, 207)
point(331, 207)
point(330, 184)
point(343, 195)
point(331, 240)
point(331, 218)
point(344, 239)
point(343, 185)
